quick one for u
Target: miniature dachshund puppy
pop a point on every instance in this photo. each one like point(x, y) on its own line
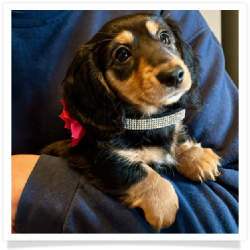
point(129, 87)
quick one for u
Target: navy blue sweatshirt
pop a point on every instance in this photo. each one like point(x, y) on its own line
point(56, 198)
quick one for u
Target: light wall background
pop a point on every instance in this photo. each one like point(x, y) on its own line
point(225, 26)
point(213, 18)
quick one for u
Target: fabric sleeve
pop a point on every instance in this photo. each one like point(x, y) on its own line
point(53, 201)
point(47, 196)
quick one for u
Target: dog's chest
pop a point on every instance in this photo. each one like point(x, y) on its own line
point(147, 155)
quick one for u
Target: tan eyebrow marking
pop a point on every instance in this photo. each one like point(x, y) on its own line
point(152, 27)
point(125, 37)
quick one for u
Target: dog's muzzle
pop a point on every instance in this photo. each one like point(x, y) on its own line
point(172, 78)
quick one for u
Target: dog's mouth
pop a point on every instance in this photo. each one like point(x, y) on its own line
point(174, 93)
point(172, 96)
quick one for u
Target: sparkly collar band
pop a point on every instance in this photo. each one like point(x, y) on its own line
point(167, 119)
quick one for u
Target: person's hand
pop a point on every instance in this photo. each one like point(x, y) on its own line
point(22, 166)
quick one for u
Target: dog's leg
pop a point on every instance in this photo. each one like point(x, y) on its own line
point(156, 196)
point(193, 161)
point(197, 163)
point(135, 184)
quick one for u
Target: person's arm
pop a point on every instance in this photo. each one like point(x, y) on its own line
point(22, 166)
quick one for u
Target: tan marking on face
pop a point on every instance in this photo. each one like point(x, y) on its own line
point(146, 155)
point(135, 90)
point(152, 27)
point(143, 88)
point(124, 37)
point(156, 196)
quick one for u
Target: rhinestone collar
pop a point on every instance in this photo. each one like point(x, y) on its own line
point(168, 119)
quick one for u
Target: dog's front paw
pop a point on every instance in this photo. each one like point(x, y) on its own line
point(158, 199)
point(160, 205)
point(197, 163)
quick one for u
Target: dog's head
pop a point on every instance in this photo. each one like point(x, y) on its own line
point(138, 60)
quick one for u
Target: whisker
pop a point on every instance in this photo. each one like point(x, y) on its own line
point(117, 104)
point(101, 32)
point(104, 40)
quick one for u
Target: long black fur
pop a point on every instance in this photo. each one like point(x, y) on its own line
point(102, 113)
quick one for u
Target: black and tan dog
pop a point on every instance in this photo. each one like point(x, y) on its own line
point(135, 68)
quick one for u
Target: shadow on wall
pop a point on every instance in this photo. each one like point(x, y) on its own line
point(230, 42)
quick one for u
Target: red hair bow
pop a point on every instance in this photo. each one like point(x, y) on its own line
point(77, 131)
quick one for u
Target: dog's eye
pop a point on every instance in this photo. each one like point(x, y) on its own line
point(122, 55)
point(164, 37)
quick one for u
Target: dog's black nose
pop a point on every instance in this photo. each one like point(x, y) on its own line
point(172, 78)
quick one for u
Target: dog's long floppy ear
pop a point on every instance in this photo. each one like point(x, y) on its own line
point(89, 99)
point(191, 99)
